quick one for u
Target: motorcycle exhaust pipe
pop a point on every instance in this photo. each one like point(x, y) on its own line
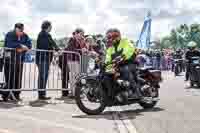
point(141, 80)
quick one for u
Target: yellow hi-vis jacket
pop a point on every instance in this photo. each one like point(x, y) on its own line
point(128, 52)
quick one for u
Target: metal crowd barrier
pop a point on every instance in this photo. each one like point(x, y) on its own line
point(43, 70)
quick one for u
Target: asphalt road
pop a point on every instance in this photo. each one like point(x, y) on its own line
point(176, 112)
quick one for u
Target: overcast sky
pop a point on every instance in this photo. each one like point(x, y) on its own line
point(95, 16)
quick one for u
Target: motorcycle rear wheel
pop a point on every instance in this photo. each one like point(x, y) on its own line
point(147, 105)
point(83, 108)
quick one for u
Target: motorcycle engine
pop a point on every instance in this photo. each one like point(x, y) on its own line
point(123, 95)
point(123, 83)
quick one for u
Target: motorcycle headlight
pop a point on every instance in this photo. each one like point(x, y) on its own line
point(83, 81)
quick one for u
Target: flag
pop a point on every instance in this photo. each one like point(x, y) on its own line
point(145, 35)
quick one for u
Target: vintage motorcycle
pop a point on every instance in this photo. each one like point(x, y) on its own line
point(178, 63)
point(93, 88)
point(194, 72)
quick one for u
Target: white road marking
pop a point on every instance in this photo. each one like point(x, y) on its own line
point(128, 123)
point(120, 125)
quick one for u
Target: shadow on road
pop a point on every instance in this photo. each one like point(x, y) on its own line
point(9, 105)
point(35, 103)
point(194, 87)
point(38, 103)
point(67, 100)
point(127, 114)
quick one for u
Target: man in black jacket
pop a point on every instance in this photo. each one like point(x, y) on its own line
point(192, 52)
point(44, 56)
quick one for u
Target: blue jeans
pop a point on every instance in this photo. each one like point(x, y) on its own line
point(43, 73)
point(158, 64)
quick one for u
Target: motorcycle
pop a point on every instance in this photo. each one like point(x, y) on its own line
point(178, 66)
point(194, 73)
point(93, 88)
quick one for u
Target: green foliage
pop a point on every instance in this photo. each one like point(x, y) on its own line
point(165, 42)
point(1, 43)
point(181, 36)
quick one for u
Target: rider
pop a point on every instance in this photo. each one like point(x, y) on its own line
point(127, 68)
point(178, 55)
point(192, 52)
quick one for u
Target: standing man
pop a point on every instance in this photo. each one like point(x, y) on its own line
point(17, 43)
point(158, 59)
point(76, 44)
point(44, 56)
point(192, 52)
point(63, 64)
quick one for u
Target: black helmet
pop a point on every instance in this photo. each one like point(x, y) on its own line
point(178, 50)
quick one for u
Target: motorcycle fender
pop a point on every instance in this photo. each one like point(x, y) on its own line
point(156, 85)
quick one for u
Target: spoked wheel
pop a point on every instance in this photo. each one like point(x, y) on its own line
point(90, 98)
point(150, 93)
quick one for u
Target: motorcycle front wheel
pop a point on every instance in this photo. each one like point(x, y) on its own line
point(99, 98)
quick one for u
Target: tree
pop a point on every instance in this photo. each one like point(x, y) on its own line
point(1, 43)
point(195, 33)
point(181, 36)
point(165, 42)
point(173, 38)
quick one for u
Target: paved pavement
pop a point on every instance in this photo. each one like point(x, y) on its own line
point(177, 112)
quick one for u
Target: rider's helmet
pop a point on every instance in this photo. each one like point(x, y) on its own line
point(113, 36)
point(178, 51)
point(192, 45)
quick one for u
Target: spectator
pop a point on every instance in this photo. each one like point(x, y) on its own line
point(13, 67)
point(94, 53)
point(158, 59)
point(44, 58)
point(76, 44)
point(63, 64)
